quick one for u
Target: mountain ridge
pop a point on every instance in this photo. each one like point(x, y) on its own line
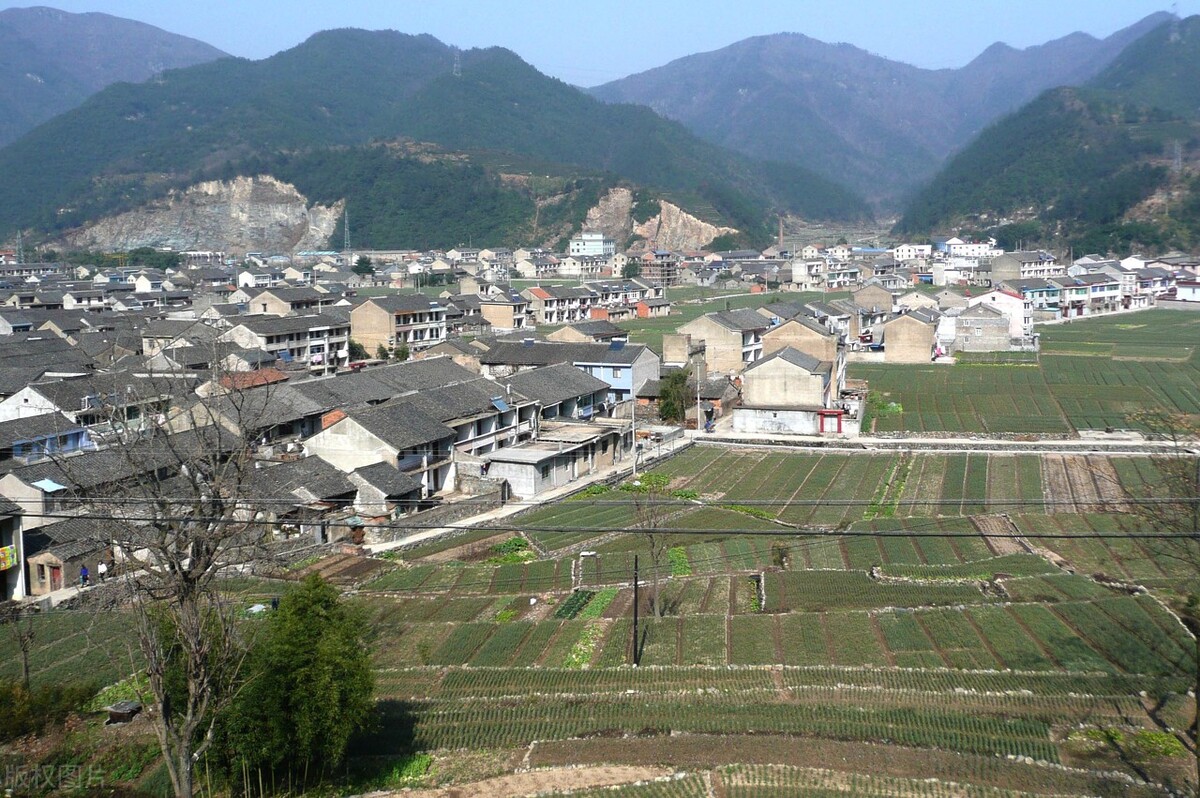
point(54, 60)
point(1092, 166)
point(129, 144)
point(881, 126)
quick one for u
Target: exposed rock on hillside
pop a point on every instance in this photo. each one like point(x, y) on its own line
point(671, 228)
point(240, 215)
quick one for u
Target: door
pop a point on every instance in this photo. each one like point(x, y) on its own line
point(55, 577)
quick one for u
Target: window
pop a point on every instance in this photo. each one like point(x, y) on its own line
point(41, 573)
point(545, 471)
point(616, 374)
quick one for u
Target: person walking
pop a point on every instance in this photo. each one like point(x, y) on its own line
point(83, 576)
point(102, 570)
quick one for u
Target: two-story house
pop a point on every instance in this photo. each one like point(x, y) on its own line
point(733, 339)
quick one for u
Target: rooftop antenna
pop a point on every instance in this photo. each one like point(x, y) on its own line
point(457, 64)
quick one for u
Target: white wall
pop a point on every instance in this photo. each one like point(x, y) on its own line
point(789, 422)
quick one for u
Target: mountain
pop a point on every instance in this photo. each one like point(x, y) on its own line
point(879, 126)
point(346, 88)
point(51, 61)
point(1091, 166)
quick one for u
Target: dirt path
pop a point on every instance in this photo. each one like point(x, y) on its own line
point(537, 782)
point(1108, 484)
point(998, 533)
point(1059, 497)
point(467, 550)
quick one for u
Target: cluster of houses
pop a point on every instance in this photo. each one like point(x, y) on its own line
point(365, 408)
point(343, 455)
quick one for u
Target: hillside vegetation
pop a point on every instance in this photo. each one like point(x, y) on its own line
point(131, 143)
point(1085, 167)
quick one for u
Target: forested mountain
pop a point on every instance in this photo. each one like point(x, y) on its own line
point(342, 88)
point(879, 126)
point(51, 61)
point(1093, 166)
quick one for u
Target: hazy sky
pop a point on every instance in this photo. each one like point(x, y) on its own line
point(587, 43)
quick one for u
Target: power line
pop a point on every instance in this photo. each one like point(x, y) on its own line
point(601, 530)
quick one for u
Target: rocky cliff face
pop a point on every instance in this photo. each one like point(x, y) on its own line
point(671, 228)
point(246, 214)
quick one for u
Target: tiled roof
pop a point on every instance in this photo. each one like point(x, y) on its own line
point(555, 383)
point(387, 479)
point(401, 425)
point(544, 353)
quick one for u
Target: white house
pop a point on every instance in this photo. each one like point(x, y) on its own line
point(1016, 308)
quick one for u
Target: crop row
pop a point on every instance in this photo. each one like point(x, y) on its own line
point(1120, 634)
point(513, 681)
point(479, 725)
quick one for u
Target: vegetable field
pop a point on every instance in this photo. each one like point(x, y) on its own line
point(966, 618)
point(1090, 375)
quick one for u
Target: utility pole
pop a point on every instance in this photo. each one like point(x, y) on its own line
point(636, 655)
point(699, 412)
point(633, 431)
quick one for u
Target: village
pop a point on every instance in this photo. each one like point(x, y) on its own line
point(380, 389)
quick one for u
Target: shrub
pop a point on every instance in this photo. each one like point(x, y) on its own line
point(25, 712)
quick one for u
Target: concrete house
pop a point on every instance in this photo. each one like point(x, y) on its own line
point(411, 320)
point(803, 334)
point(981, 328)
point(564, 452)
point(624, 367)
point(1023, 266)
point(559, 304)
point(789, 392)
point(505, 313)
point(908, 338)
point(320, 341)
point(396, 433)
point(1015, 307)
point(733, 339)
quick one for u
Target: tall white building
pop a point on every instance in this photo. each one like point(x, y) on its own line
point(593, 244)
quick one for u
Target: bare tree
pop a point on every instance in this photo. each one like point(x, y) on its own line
point(172, 490)
point(17, 617)
point(1170, 507)
point(651, 508)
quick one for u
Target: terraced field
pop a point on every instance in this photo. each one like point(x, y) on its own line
point(831, 624)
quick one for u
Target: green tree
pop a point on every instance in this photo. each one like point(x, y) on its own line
point(363, 265)
point(672, 396)
point(631, 269)
point(401, 352)
point(357, 350)
point(381, 352)
point(309, 686)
